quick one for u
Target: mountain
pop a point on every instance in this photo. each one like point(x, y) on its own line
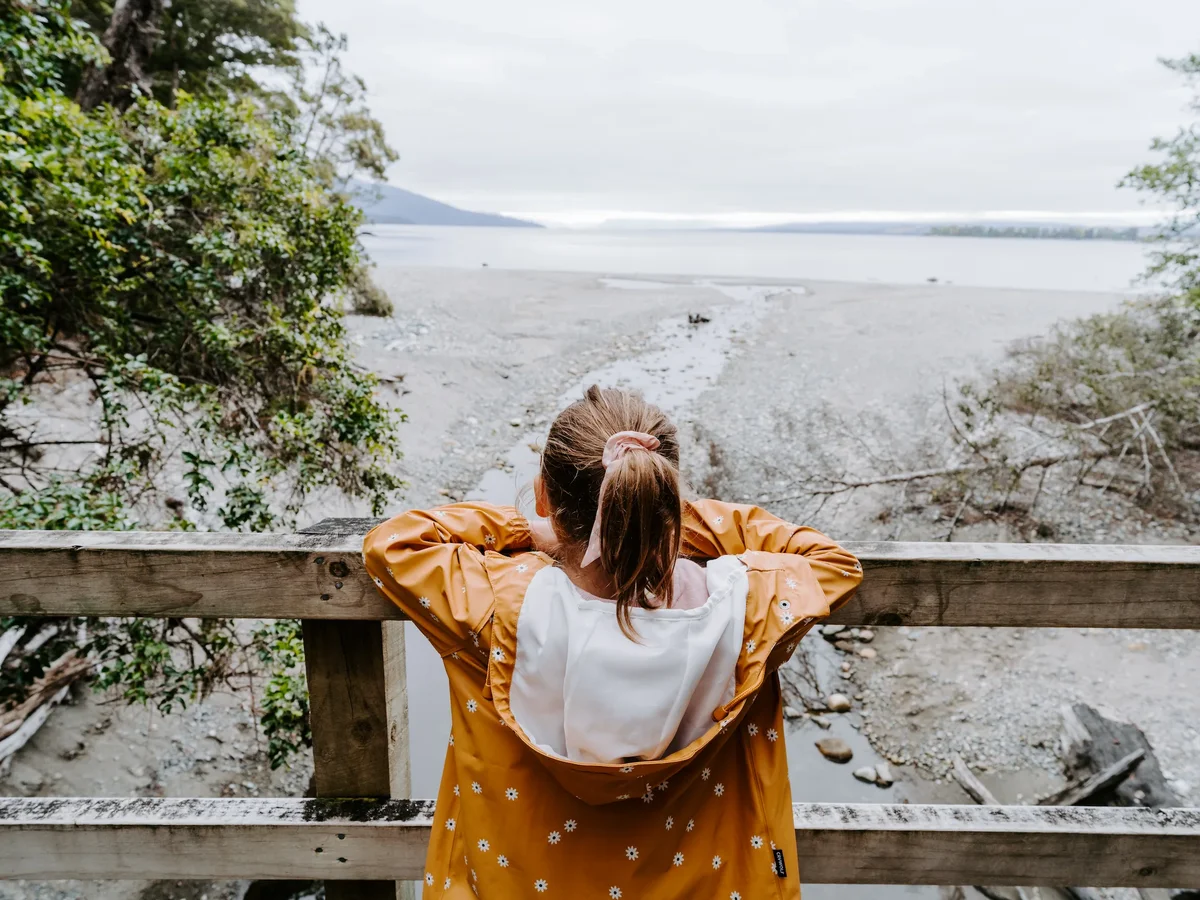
point(386, 204)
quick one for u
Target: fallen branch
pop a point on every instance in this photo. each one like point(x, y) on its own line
point(981, 795)
point(65, 671)
point(9, 639)
point(839, 486)
point(1082, 791)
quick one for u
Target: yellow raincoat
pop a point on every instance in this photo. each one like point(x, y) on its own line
point(710, 820)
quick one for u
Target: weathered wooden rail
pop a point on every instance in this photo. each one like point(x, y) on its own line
point(355, 658)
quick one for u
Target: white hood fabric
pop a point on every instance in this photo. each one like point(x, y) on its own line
point(583, 691)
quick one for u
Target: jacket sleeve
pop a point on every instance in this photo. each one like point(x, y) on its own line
point(434, 564)
point(712, 528)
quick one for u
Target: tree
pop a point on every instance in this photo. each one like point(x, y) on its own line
point(1175, 180)
point(172, 275)
point(208, 48)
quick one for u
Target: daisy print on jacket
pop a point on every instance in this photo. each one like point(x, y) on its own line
point(540, 795)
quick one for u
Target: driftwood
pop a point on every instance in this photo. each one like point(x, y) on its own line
point(1092, 744)
point(981, 795)
point(1089, 744)
point(20, 724)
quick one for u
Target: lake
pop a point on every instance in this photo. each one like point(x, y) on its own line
point(897, 259)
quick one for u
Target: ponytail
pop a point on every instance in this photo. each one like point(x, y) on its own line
point(640, 502)
point(641, 521)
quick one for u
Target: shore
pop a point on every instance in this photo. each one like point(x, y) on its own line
point(481, 360)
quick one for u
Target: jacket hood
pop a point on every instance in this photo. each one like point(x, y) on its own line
point(612, 718)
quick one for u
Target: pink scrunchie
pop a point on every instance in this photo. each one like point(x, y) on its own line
point(614, 448)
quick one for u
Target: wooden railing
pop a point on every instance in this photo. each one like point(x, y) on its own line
point(354, 645)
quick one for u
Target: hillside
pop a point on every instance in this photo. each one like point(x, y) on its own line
point(383, 203)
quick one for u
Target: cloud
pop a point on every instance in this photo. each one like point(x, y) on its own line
point(698, 108)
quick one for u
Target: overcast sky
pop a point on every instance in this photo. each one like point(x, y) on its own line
point(763, 110)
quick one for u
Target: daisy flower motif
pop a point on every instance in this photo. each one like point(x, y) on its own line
point(705, 773)
point(614, 893)
point(752, 729)
point(502, 861)
point(424, 601)
point(670, 822)
point(451, 740)
point(553, 837)
point(429, 878)
point(446, 885)
point(677, 859)
point(378, 582)
point(772, 735)
point(648, 797)
point(792, 583)
point(734, 895)
point(625, 770)
point(483, 845)
point(474, 638)
point(569, 826)
point(631, 853)
point(791, 648)
point(393, 537)
point(390, 572)
point(719, 789)
point(497, 654)
point(716, 862)
point(472, 705)
point(756, 842)
point(454, 655)
point(663, 785)
point(787, 618)
point(751, 645)
point(456, 790)
point(521, 567)
point(511, 793)
point(718, 520)
point(475, 788)
point(622, 796)
point(449, 824)
point(489, 539)
point(691, 824)
point(540, 885)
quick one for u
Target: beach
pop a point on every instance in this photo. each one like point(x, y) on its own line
point(480, 360)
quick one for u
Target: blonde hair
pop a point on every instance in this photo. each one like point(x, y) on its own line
point(642, 516)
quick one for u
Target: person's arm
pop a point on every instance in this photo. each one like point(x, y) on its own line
point(433, 564)
point(825, 572)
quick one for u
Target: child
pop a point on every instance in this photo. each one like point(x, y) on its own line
point(617, 717)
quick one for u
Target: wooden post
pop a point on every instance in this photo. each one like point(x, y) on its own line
point(358, 708)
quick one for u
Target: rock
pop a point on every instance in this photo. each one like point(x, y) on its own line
point(845, 646)
point(73, 751)
point(790, 712)
point(866, 635)
point(838, 703)
point(830, 632)
point(867, 652)
point(516, 423)
point(883, 775)
point(835, 749)
point(866, 773)
point(821, 722)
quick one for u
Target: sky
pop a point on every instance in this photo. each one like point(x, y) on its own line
point(746, 112)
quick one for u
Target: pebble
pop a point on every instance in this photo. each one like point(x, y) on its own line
point(835, 749)
point(867, 652)
point(866, 635)
point(866, 773)
point(790, 712)
point(838, 703)
point(516, 423)
point(845, 646)
point(883, 775)
point(830, 631)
